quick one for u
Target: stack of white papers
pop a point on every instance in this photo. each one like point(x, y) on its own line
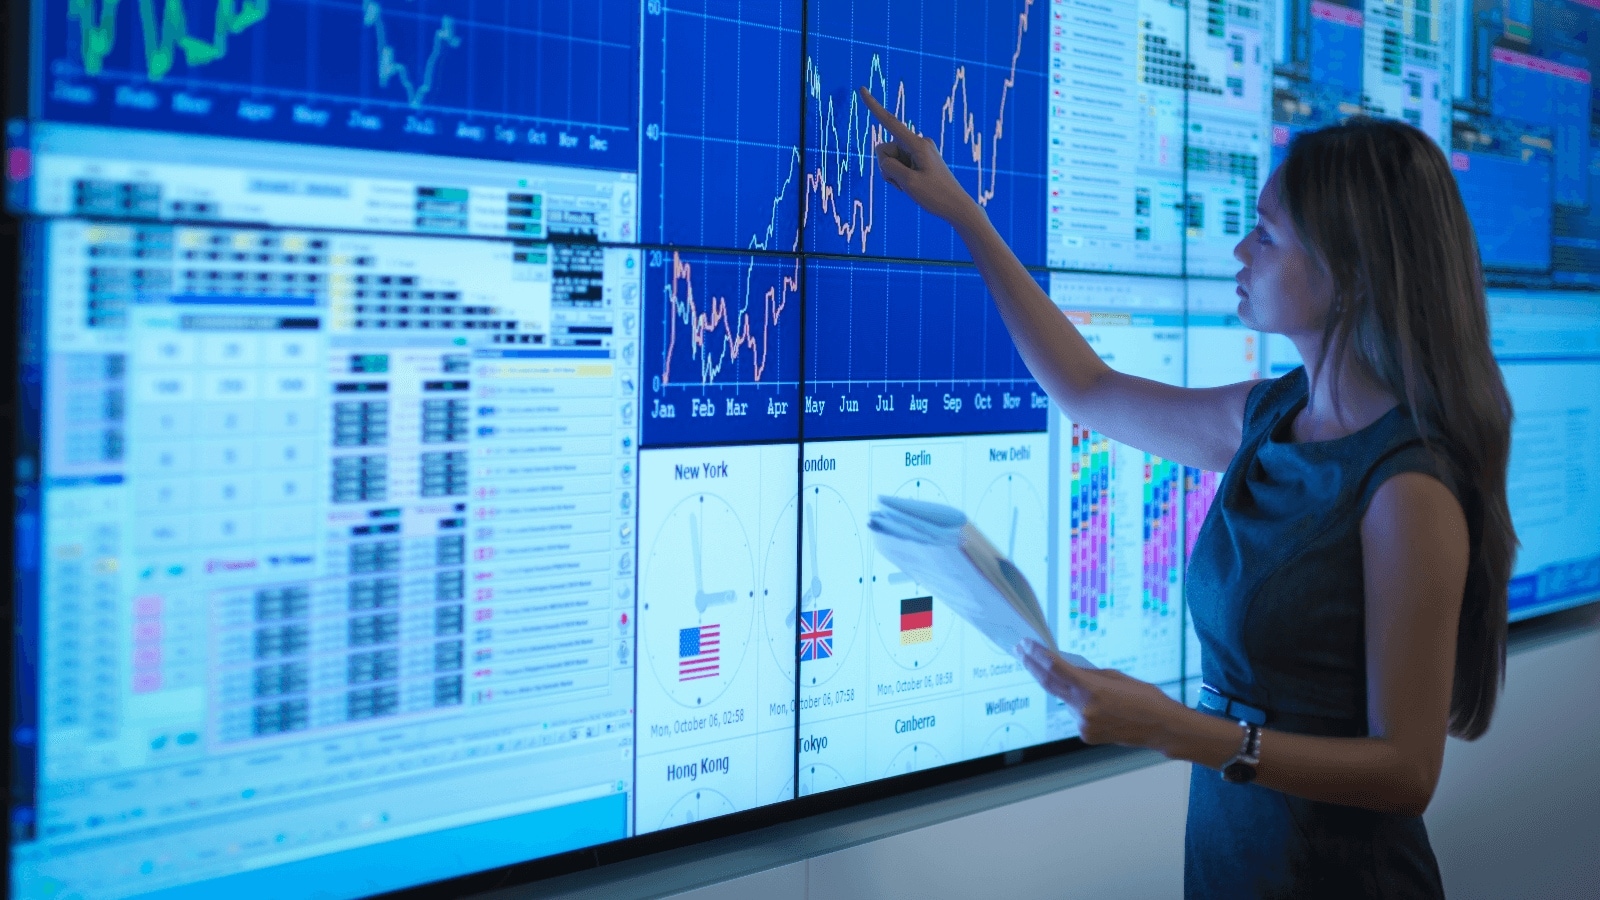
point(937, 547)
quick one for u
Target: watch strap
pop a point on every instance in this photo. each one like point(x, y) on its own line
point(1242, 767)
point(1251, 750)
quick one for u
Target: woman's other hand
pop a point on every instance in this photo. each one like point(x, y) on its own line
point(911, 162)
point(1111, 708)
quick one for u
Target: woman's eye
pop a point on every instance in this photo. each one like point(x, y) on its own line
point(1262, 237)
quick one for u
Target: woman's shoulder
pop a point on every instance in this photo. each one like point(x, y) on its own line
point(1406, 448)
point(1273, 396)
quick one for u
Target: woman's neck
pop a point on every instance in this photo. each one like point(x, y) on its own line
point(1343, 399)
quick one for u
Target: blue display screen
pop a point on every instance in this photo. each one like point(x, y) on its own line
point(721, 111)
point(958, 373)
point(1337, 47)
point(1529, 67)
point(448, 429)
point(534, 82)
point(1548, 93)
point(1515, 237)
point(915, 58)
point(1576, 240)
point(722, 334)
point(1550, 356)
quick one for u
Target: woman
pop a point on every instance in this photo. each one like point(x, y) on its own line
point(1349, 583)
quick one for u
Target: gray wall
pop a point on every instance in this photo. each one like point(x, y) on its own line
point(1517, 814)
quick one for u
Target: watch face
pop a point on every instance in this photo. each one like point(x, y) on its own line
point(1238, 772)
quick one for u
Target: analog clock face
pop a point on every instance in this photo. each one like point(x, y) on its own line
point(778, 618)
point(1006, 737)
point(697, 600)
point(914, 757)
point(912, 625)
point(817, 777)
point(1011, 513)
point(697, 806)
point(833, 585)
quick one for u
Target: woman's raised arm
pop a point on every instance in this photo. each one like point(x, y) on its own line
point(1196, 427)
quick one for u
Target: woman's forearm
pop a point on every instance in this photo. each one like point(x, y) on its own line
point(1371, 772)
point(1056, 353)
point(1197, 427)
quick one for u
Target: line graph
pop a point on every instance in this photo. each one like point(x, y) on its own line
point(898, 349)
point(720, 163)
point(714, 338)
point(974, 84)
point(163, 38)
point(390, 69)
point(534, 82)
point(722, 348)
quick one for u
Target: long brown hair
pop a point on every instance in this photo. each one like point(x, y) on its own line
point(1374, 201)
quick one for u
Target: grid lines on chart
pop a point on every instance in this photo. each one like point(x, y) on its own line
point(720, 158)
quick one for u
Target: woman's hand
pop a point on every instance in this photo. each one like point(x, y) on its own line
point(1111, 708)
point(911, 162)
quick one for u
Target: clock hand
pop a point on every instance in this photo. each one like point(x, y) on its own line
point(702, 600)
point(1011, 546)
point(694, 545)
point(815, 588)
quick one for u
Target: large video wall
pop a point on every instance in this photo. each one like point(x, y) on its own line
point(454, 424)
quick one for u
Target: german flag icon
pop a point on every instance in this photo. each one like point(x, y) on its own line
point(916, 620)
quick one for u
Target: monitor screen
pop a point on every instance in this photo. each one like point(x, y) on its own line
point(1525, 126)
point(1549, 352)
point(449, 429)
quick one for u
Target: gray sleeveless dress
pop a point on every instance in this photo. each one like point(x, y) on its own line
point(1275, 591)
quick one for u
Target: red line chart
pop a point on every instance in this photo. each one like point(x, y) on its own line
point(717, 335)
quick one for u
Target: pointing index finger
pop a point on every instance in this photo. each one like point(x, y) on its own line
point(888, 119)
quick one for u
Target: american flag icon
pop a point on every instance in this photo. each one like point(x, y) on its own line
point(697, 652)
point(816, 635)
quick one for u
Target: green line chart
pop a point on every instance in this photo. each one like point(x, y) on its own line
point(536, 82)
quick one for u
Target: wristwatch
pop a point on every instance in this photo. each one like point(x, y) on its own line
point(1242, 768)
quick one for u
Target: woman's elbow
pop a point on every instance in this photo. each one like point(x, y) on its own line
point(1414, 804)
point(1415, 791)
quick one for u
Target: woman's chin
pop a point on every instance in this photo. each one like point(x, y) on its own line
point(1247, 316)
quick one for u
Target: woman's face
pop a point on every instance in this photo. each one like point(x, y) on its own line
point(1281, 288)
